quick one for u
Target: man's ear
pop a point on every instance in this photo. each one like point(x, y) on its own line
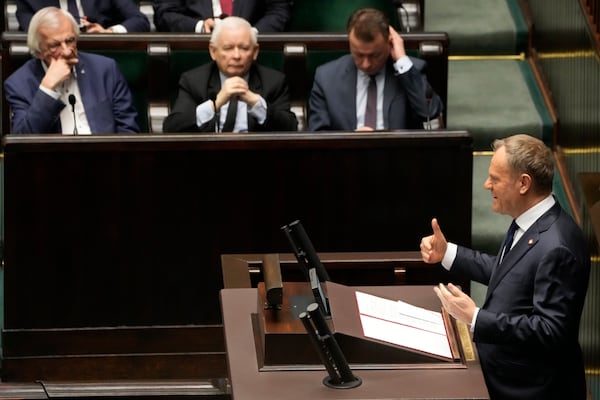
point(524, 183)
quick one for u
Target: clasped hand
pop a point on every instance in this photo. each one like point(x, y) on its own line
point(456, 302)
point(236, 86)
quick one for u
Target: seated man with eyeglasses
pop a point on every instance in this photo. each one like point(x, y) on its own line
point(65, 91)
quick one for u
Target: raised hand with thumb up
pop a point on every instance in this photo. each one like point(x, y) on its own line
point(433, 247)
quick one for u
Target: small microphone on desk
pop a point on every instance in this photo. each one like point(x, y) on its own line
point(428, 97)
point(213, 97)
point(72, 101)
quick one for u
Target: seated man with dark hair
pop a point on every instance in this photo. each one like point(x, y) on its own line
point(232, 93)
point(93, 16)
point(378, 86)
point(38, 92)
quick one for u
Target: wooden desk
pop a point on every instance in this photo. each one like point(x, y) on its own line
point(248, 383)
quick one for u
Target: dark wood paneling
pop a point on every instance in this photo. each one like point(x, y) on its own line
point(120, 231)
point(111, 231)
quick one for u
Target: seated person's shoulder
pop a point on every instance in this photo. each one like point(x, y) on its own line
point(334, 66)
point(203, 69)
point(269, 72)
point(96, 58)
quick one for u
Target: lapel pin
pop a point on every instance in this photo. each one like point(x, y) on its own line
point(530, 241)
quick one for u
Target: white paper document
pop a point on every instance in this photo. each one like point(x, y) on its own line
point(403, 324)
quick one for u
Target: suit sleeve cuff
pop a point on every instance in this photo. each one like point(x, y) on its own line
point(449, 256)
point(259, 111)
point(402, 65)
point(204, 113)
point(118, 29)
point(472, 328)
point(52, 93)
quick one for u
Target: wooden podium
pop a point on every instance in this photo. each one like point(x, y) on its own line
point(282, 342)
point(269, 356)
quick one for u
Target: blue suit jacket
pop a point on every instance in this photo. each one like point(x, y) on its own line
point(332, 102)
point(527, 330)
point(106, 12)
point(105, 95)
point(183, 15)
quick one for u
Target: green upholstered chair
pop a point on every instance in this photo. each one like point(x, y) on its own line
point(332, 16)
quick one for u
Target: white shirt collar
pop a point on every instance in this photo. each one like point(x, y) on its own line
point(527, 219)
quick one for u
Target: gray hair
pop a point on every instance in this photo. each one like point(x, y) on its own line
point(529, 155)
point(233, 23)
point(46, 17)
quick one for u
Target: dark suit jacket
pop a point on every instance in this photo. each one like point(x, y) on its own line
point(203, 83)
point(106, 12)
point(104, 91)
point(332, 102)
point(183, 15)
point(527, 330)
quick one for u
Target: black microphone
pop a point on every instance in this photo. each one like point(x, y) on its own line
point(428, 97)
point(72, 101)
point(213, 98)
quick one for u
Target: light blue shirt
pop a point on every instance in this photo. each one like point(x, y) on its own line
point(402, 65)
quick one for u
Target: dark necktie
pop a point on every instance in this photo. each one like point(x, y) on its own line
point(227, 6)
point(371, 110)
point(231, 113)
point(510, 235)
point(72, 8)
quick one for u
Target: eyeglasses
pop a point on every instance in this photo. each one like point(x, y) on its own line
point(56, 45)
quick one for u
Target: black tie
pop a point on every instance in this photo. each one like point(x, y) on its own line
point(231, 113)
point(510, 235)
point(72, 8)
point(371, 110)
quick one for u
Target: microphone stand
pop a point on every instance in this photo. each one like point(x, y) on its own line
point(340, 375)
point(72, 101)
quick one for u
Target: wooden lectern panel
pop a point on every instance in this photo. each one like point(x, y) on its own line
point(282, 342)
point(248, 382)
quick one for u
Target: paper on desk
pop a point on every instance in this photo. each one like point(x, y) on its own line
point(403, 324)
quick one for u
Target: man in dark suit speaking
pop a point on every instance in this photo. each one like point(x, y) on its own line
point(527, 329)
point(232, 93)
point(375, 87)
point(63, 90)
